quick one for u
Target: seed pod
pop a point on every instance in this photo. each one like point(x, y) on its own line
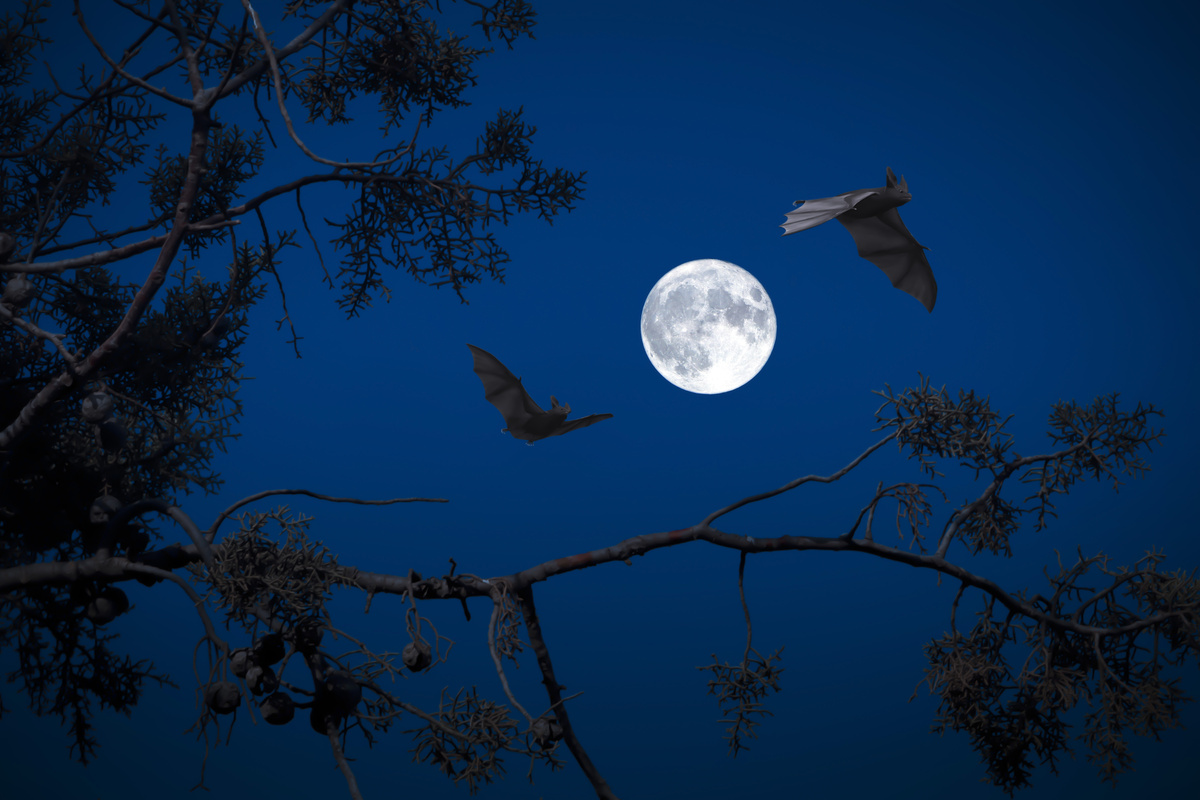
point(7, 245)
point(324, 712)
point(97, 407)
point(240, 661)
point(19, 291)
point(278, 709)
point(112, 434)
point(308, 634)
point(107, 605)
point(223, 697)
point(261, 680)
point(101, 611)
point(343, 691)
point(416, 656)
point(103, 507)
point(269, 649)
point(546, 732)
point(219, 329)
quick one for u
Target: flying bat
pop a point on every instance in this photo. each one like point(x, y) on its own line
point(525, 418)
point(872, 219)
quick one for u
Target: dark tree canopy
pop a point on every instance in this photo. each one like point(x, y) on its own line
point(117, 392)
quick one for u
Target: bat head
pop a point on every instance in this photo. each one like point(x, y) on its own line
point(898, 187)
point(558, 410)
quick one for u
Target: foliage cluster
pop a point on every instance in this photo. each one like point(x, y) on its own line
point(116, 392)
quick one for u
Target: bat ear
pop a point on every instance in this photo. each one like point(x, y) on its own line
point(567, 408)
point(903, 184)
point(553, 401)
point(891, 178)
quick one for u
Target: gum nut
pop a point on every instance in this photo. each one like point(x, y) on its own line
point(7, 245)
point(107, 605)
point(416, 656)
point(102, 610)
point(219, 329)
point(308, 634)
point(102, 508)
point(546, 732)
point(269, 649)
point(112, 434)
point(19, 291)
point(323, 713)
point(278, 709)
point(223, 697)
point(343, 691)
point(117, 597)
point(254, 676)
point(261, 680)
point(240, 661)
point(97, 407)
point(270, 682)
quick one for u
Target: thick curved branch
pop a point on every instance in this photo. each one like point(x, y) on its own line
point(197, 601)
point(163, 507)
point(538, 643)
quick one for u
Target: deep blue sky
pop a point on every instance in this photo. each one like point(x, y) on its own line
point(1048, 148)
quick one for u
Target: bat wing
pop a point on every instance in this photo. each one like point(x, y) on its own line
point(823, 209)
point(571, 424)
point(504, 390)
point(885, 242)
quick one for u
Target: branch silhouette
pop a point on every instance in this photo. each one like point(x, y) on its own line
point(115, 395)
point(1081, 642)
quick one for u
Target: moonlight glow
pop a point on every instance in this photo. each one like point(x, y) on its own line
point(708, 326)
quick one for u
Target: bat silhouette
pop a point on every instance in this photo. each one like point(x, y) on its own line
point(525, 418)
point(872, 219)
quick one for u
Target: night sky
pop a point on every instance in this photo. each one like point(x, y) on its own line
point(1049, 149)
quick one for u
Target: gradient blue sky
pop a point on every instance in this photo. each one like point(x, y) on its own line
point(1048, 147)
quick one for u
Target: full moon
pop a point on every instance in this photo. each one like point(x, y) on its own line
point(708, 326)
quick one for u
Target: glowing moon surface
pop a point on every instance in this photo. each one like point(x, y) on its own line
point(708, 326)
